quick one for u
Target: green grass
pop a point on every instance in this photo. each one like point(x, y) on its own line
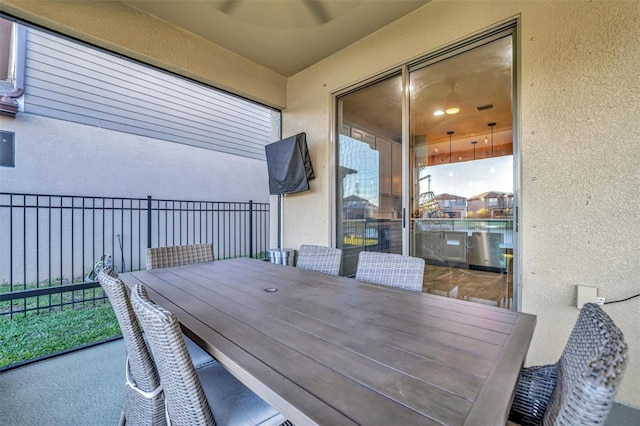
point(34, 336)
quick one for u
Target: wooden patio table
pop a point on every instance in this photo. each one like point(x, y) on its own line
point(331, 350)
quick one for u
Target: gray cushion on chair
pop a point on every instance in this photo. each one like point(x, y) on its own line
point(232, 402)
point(199, 356)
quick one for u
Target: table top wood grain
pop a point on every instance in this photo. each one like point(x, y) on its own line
point(332, 350)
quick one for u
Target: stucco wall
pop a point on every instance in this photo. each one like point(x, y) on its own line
point(579, 108)
point(114, 26)
point(60, 157)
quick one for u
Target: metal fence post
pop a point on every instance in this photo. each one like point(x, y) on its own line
point(148, 221)
point(250, 228)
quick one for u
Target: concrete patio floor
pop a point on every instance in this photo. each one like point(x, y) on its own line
point(86, 388)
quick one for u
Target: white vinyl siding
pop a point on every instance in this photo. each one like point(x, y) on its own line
point(75, 82)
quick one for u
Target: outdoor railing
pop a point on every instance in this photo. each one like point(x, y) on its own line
point(370, 232)
point(49, 244)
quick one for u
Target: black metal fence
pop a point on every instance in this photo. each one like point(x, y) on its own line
point(49, 244)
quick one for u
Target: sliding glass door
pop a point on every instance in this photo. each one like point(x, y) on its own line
point(369, 182)
point(454, 144)
point(463, 172)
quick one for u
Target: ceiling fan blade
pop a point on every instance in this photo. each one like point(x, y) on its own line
point(227, 6)
point(318, 10)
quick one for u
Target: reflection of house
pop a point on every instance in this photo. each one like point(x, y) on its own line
point(452, 205)
point(355, 207)
point(491, 204)
point(507, 204)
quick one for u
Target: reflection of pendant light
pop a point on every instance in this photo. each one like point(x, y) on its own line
point(491, 126)
point(450, 132)
point(474, 148)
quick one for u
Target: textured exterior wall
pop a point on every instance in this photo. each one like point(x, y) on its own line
point(580, 136)
point(579, 106)
point(116, 27)
point(60, 157)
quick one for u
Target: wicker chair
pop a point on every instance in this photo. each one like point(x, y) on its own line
point(321, 259)
point(223, 400)
point(165, 257)
point(144, 401)
point(392, 270)
point(580, 388)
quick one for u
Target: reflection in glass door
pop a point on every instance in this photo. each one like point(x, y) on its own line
point(461, 123)
point(369, 181)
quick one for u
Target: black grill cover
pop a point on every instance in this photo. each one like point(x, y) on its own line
point(289, 165)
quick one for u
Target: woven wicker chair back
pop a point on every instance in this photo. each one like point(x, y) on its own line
point(142, 372)
point(319, 258)
point(165, 257)
point(393, 270)
point(186, 402)
point(589, 371)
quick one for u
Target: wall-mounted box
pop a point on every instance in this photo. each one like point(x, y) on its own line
point(585, 294)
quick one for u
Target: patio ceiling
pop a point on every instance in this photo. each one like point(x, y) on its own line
point(285, 36)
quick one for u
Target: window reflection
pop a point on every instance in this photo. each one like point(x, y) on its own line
point(360, 183)
point(369, 187)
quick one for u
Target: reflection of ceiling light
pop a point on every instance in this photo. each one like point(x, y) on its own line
point(450, 174)
point(438, 113)
point(436, 149)
point(452, 103)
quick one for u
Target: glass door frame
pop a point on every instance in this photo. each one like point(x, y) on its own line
point(508, 28)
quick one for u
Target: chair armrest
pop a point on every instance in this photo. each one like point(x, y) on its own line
point(533, 392)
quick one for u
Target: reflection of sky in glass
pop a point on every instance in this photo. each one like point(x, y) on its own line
point(471, 177)
point(359, 156)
